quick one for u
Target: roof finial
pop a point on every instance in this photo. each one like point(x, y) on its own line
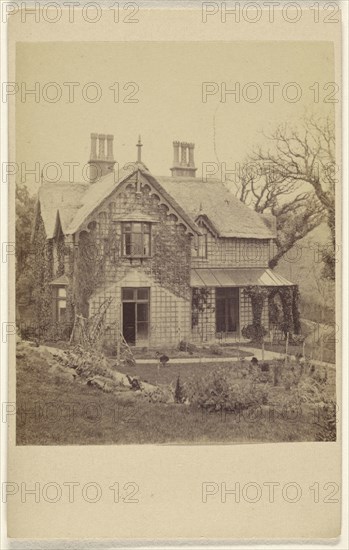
point(139, 152)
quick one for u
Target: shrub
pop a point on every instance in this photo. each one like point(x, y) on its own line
point(254, 332)
point(186, 346)
point(219, 391)
point(179, 395)
point(297, 339)
point(215, 349)
point(327, 430)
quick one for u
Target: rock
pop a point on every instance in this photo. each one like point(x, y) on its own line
point(102, 383)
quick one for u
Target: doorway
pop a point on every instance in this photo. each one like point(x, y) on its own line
point(135, 316)
point(227, 310)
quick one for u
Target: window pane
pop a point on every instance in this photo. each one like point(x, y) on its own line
point(146, 245)
point(146, 228)
point(127, 227)
point(127, 244)
point(202, 246)
point(62, 315)
point(128, 294)
point(142, 313)
point(137, 248)
point(143, 294)
point(62, 292)
point(142, 332)
point(137, 228)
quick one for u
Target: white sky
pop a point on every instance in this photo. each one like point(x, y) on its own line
point(170, 77)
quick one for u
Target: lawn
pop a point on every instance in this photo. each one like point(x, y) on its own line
point(58, 409)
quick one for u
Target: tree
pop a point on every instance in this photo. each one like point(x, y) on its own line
point(25, 210)
point(294, 179)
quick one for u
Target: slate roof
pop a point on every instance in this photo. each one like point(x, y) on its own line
point(229, 216)
point(190, 197)
point(64, 197)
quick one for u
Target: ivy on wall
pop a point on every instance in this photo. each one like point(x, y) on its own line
point(287, 318)
point(43, 274)
point(92, 258)
point(257, 295)
point(199, 303)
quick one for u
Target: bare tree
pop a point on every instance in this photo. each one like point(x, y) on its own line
point(294, 179)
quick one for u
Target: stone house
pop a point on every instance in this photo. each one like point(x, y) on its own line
point(174, 254)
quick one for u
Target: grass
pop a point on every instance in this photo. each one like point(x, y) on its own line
point(55, 410)
point(169, 374)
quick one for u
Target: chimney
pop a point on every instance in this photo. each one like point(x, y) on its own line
point(103, 163)
point(185, 167)
point(110, 140)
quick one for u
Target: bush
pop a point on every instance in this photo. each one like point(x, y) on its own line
point(253, 332)
point(187, 346)
point(179, 392)
point(215, 349)
point(219, 391)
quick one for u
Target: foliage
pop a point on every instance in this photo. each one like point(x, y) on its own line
point(25, 208)
point(200, 298)
point(294, 179)
point(215, 349)
point(287, 318)
point(179, 395)
point(87, 362)
point(254, 332)
point(219, 390)
point(42, 274)
point(187, 346)
point(327, 426)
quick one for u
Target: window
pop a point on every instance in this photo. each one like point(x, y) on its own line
point(201, 251)
point(61, 304)
point(136, 239)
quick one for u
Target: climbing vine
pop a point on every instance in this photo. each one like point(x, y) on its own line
point(42, 275)
point(255, 331)
point(286, 317)
point(94, 255)
point(199, 303)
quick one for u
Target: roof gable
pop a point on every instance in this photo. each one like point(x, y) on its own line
point(189, 199)
point(227, 214)
point(101, 191)
point(63, 198)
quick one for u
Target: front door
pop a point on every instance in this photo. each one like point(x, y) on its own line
point(227, 310)
point(135, 316)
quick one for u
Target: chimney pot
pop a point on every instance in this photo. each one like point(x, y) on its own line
point(101, 164)
point(110, 139)
point(93, 155)
point(101, 151)
point(185, 167)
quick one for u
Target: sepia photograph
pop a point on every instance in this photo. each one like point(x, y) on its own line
point(173, 274)
point(176, 244)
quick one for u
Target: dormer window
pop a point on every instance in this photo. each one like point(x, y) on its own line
point(136, 239)
point(202, 246)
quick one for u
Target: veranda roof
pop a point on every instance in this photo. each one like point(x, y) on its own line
point(236, 277)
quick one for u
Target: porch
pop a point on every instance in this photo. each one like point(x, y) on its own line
point(221, 308)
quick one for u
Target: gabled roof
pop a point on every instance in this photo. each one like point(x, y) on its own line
point(62, 197)
point(97, 193)
point(190, 198)
point(227, 214)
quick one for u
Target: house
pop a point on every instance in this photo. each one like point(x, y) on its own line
point(175, 254)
